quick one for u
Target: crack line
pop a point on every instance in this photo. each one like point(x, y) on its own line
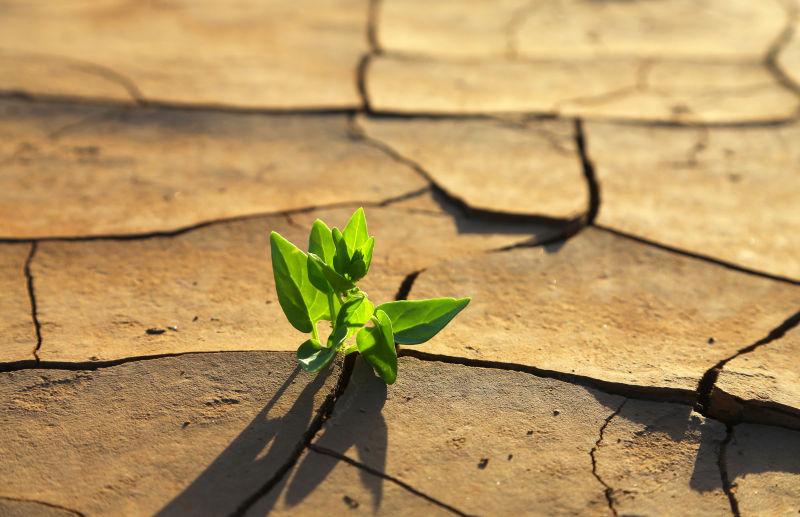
point(383, 475)
point(722, 464)
point(608, 491)
point(32, 298)
point(780, 43)
point(463, 207)
point(323, 414)
point(694, 255)
point(246, 217)
point(43, 503)
point(651, 393)
point(709, 380)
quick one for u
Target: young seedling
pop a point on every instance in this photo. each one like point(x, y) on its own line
point(322, 285)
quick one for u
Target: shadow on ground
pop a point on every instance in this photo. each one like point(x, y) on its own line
point(253, 457)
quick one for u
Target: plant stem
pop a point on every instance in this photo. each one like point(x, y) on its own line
point(314, 332)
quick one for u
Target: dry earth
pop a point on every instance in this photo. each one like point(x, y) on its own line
point(616, 184)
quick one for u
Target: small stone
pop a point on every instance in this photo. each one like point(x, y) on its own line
point(482, 464)
point(154, 331)
point(711, 341)
point(556, 412)
point(173, 328)
point(349, 501)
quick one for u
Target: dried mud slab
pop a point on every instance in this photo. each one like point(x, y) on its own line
point(670, 29)
point(532, 167)
point(324, 485)
point(727, 193)
point(82, 171)
point(717, 29)
point(607, 308)
point(212, 288)
point(623, 88)
point(463, 29)
point(16, 324)
point(191, 434)
point(282, 54)
point(763, 385)
point(484, 441)
point(764, 466)
point(661, 459)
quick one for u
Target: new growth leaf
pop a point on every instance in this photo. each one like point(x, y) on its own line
point(321, 285)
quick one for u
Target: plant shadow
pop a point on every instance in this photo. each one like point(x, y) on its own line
point(246, 464)
point(357, 423)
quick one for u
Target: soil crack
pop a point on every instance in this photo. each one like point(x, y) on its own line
point(43, 503)
point(404, 485)
point(32, 299)
point(323, 414)
point(694, 255)
point(722, 464)
point(609, 491)
point(651, 393)
point(707, 384)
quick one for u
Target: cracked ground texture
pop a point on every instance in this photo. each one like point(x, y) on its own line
point(616, 185)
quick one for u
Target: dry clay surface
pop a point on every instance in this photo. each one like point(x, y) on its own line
point(728, 193)
point(607, 308)
point(212, 288)
point(498, 437)
point(763, 384)
point(143, 177)
point(277, 54)
point(189, 435)
point(676, 61)
point(87, 171)
point(16, 325)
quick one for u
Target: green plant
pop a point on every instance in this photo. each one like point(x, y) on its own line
point(321, 285)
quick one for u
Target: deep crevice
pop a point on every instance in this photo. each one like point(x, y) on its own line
point(608, 491)
point(727, 485)
point(324, 413)
point(694, 255)
point(75, 366)
point(570, 226)
point(43, 503)
point(589, 173)
point(709, 379)
point(32, 299)
point(406, 285)
point(651, 393)
point(383, 475)
point(361, 81)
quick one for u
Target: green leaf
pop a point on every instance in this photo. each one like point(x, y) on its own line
point(361, 314)
point(416, 321)
point(376, 345)
point(337, 282)
point(313, 357)
point(341, 258)
point(360, 261)
point(355, 233)
point(366, 250)
point(351, 312)
point(320, 242)
point(302, 303)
